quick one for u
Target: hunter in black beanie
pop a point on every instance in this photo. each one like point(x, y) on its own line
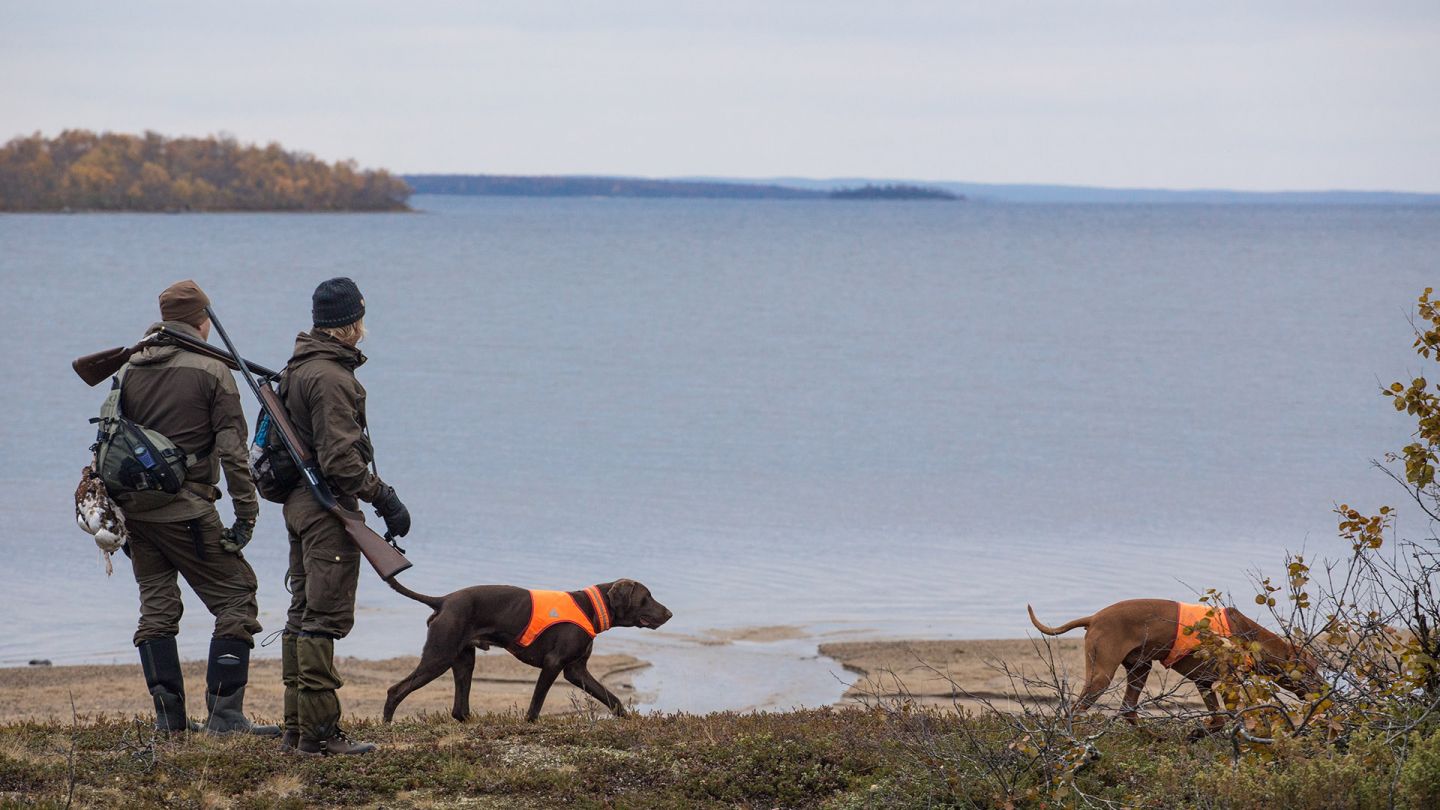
point(326, 404)
point(336, 303)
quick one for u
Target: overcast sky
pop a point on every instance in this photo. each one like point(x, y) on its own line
point(1246, 95)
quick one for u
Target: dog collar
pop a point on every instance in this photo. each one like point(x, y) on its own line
point(602, 613)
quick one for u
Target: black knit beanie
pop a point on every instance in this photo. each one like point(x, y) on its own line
point(336, 303)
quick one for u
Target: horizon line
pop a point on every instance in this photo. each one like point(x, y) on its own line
point(782, 179)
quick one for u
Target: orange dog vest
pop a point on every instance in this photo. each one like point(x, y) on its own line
point(549, 608)
point(1190, 615)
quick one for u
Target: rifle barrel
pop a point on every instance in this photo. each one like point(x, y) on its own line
point(227, 357)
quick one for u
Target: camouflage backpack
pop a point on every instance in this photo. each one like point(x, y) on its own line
point(141, 468)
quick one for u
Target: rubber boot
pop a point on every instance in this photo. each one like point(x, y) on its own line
point(225, 680)
point(318, 708)
point(160, 661)
point(290, 676)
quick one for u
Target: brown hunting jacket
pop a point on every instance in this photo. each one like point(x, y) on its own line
point(327, 405)
point(194, 402)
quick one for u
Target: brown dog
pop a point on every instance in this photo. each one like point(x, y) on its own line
point(1138, 632)
point(516, 619)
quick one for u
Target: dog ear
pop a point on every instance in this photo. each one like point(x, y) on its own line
point(622, 596)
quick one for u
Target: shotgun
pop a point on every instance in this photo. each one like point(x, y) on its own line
point(93, 368)
point(385, 557)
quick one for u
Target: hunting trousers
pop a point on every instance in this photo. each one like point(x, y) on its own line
point(324, 569)
point(224, 582)
point(324, 573)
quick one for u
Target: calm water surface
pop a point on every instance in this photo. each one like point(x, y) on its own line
point(885, 419)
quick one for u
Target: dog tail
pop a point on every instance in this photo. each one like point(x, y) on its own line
point(433, 601)
point(1055, 631)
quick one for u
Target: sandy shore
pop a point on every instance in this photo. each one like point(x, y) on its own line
point(967, 674)
point(971, 674)
point(501, 684)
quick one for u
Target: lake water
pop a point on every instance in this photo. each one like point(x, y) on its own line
point(864, 419)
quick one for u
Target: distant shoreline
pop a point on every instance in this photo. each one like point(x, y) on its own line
point(795, 188)
point(497, 185)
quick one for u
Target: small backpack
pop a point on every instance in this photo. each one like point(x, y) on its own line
point(140, 468)
point(271, 466)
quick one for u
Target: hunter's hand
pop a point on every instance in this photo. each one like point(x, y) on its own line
point(388, 507)
point(234, 538)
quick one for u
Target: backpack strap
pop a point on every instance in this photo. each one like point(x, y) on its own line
point(112, 415)
point(109, 410)
point(116, 400)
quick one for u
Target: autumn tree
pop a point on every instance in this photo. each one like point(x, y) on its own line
point(80, 170)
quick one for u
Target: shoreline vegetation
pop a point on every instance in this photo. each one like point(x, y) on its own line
point(902, 737)
point(836, 759)
point(924, 723)
point(80, 170)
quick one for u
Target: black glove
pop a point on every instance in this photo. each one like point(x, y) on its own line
point(388, 506)
point(234, 538)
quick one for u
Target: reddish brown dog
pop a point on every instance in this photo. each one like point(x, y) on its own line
point(485, 615)
point(1136, 633)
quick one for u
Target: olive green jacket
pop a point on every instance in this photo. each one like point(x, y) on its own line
point(194, 402)
point(327, 405)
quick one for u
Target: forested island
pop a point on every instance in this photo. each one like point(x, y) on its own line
point(80, 170)
point(899, 191)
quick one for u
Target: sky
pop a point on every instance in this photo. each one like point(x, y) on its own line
point(1243, 95)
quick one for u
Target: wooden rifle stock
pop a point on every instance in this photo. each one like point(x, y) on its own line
point(93, 368)
point(384, 557)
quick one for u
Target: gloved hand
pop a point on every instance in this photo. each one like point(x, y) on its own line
point(388, 506)
point(234, 538)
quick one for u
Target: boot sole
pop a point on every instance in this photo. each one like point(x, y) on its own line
point(327, 753)
point(250, 732)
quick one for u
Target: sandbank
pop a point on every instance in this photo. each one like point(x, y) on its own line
point(501, 684)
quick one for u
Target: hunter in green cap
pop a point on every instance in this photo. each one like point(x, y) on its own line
point(192, 401)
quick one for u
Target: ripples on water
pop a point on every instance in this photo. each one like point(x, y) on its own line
point(899, 418)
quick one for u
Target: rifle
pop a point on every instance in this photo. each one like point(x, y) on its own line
point(384, 555)
point(93, 368)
